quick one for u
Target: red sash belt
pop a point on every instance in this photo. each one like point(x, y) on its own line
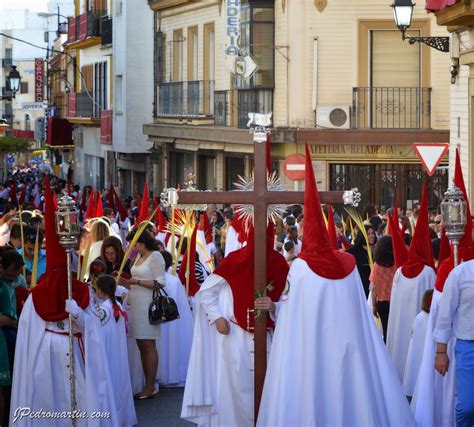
point(77, 335)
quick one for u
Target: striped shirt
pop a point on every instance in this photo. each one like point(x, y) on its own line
point(201, 274)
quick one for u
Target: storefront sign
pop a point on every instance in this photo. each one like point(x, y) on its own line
point(232, 27)
point(32, 106)
point(39, 71)
point(352, 153)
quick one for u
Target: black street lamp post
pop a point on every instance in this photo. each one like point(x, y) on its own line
point(403, 13)
point(14, 80)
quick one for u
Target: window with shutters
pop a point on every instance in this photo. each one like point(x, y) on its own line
point(24, 87)
point(100, 87)
point(177, 46)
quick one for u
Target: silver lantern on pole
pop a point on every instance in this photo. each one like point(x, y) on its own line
point(68, 230)
point(454, 212)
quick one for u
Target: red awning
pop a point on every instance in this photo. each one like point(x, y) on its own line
point(435, 5)
point(25, 134)
point(59, 133)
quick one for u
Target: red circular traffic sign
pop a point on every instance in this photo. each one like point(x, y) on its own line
point(294, 166)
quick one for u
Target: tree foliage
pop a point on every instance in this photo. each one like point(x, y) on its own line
point(10, 144)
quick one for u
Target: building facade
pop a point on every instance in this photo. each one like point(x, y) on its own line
point(132, 94)
point(89, 72)
point(458, 19)
point(335, 74)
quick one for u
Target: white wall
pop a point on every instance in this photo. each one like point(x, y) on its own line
point(133, 60)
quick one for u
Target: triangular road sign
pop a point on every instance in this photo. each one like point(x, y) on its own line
point(430, 155)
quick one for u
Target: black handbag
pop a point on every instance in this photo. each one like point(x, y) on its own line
point(162, 308)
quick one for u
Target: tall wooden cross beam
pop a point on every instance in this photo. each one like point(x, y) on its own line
point(260, 197)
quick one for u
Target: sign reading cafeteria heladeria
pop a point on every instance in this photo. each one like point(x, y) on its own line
point(32, 106)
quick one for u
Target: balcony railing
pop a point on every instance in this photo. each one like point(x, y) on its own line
point(106, 25)
point(85, 106)
point(94, 23)
point(7, 62)
point(391, 108)
point(88, 24)
point(186, 99)
point(253, 101)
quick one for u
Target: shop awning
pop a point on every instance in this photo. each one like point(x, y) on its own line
point(24, 134)
point(59, 133)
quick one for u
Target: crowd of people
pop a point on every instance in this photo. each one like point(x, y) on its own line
point(391, 266)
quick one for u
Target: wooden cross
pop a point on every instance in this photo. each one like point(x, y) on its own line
point(260, 197)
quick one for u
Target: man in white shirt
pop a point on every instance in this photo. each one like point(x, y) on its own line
point(456, 317)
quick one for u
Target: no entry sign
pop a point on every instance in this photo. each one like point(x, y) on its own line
point(294, 166)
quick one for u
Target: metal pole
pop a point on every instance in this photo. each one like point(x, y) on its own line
point(456, 252)
point(71, 342)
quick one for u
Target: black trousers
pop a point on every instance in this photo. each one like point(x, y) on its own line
point(383, 308)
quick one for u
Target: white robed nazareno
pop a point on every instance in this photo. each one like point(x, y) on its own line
point(405, 304)
point(219, 387)
point(41, 372)
point(433, 400)
point(174, 344)
point(114, 341)
point(328, 364)
point(415, 352)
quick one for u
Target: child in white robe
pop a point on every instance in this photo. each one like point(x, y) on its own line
point(114, 340)
point(417, 343)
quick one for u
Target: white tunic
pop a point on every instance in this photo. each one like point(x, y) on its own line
point(231, 241)
point(415, 352)
point(219, 387)
point(153, 268)
point(434, 399)
point(405, 304)
point(41, 371)
point(328, 364)
point(174, 344)
point(114, 342)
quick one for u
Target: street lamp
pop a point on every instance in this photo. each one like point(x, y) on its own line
point(14, 80)
point(454, 211)
point(403, 13)
point(68, 230)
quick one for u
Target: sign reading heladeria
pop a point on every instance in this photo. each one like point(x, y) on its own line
point(39, 70)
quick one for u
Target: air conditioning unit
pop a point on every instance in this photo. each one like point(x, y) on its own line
point(333, 117)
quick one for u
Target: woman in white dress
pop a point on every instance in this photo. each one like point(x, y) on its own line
point(100, 230)
point(147, 272)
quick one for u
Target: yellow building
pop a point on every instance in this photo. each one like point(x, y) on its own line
point(335, 74)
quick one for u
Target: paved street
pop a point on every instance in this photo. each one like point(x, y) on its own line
point(162, 411)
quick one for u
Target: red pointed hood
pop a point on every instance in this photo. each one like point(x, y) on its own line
point(100, 208)
point(396, 220)
point(205, 225)
point(400, 251)
point(120, 208)
point(111, 198)
point(83, 200)
point(91, 207)
point(13, 198)
point(421, 250)
point(465, 245)
point(50, 294)
point(444, 248)
point(237, 269)
point(69, 191)
point(160, 219)
point(443, 272)
point(239, 226)
point(332, 229)
point(194, 285)
point(144, 214)
point(316, 249)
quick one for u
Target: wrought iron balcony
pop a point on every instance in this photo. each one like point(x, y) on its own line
point(106, 30)
point(253, 101)
point(391, 108)
point(85, 107)
point(7, 62)
point(186, 99)
point(94, 23)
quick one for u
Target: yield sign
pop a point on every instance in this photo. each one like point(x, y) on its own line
point(431, 155)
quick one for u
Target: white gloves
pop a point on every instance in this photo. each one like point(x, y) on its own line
point(73, 308)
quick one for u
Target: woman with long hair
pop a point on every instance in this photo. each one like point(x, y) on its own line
point(360, 250)
point(112, 254)
point(148, 271)
point(381, 279)
point(100, 230)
